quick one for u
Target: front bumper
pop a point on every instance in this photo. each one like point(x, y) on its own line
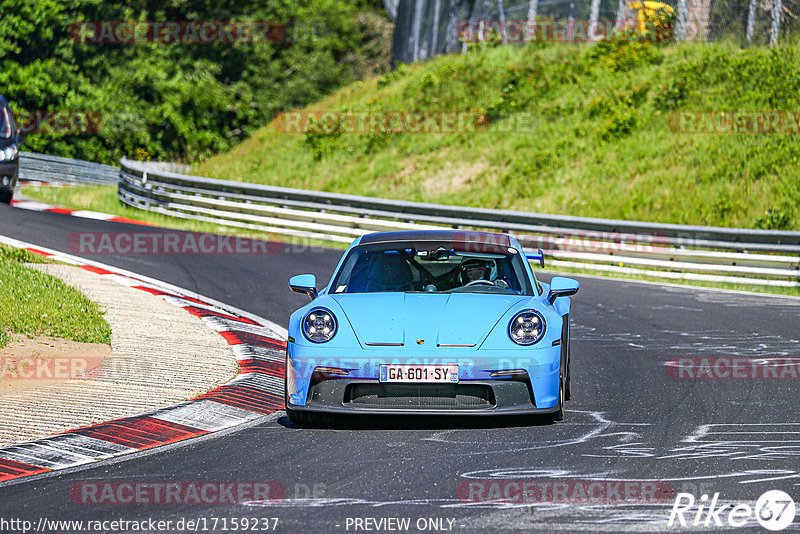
point(532, 391)
point(495, 397)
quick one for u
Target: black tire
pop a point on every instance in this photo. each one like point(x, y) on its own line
point(559, 414)
point(6, 195)
point(295, 417)
point(299, 418)
point(568, 389)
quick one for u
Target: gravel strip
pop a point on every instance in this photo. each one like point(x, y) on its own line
point(160, 355)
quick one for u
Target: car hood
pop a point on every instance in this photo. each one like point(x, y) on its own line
point(437, 319)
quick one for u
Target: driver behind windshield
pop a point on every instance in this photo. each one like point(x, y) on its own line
point(378, 268)
point(475, 269)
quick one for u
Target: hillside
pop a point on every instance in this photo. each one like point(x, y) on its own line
point(597, 140)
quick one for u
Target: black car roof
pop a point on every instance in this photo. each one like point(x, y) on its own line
point(465, 236)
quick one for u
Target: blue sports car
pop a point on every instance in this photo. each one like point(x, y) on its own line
point(430, 322)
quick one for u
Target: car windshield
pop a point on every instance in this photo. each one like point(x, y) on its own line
point(6, 122)
point(432, 268)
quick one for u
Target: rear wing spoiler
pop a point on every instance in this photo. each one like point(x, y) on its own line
point(536, 256)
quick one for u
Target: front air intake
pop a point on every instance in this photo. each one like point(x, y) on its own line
point(420, 396)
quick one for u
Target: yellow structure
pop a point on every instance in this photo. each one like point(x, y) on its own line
point(648, 11)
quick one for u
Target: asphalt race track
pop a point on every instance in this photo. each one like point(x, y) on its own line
point(630, 422)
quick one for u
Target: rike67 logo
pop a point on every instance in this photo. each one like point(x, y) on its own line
point(774, 510)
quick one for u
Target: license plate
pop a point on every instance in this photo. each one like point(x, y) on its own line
point(446, 374)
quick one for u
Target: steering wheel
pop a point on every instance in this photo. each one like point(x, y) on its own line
point(430, 278)
point(479, 281)
point(502, 283)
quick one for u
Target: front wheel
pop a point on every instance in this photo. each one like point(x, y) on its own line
point(294, 417)
point(568, 389)
point(299, 418)
point(558, 415)
point(6, 195)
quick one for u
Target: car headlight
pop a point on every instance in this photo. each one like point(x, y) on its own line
point(319, 325)
point(8, 153)
point(526, 328)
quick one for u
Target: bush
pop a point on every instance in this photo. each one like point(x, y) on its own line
point(775, 219)
point(180, 101)
point(624, 52)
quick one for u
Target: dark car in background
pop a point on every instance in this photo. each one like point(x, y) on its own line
point(9, 152)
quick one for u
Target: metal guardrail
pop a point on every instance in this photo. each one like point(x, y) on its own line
point(35, 167)
point(670, 251)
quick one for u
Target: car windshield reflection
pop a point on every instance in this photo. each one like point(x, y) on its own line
point(6, 122)
point(433, 269)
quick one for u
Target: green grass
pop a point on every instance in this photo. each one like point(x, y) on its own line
point(21, 255)
point(33, 303)
point(600, 145)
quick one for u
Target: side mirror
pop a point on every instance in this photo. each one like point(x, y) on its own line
point(537, 256)
point(304, 283)
point(561, 286)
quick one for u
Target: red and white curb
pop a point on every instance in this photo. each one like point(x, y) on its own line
point(35, 205)
point(259, 346)
point(43, 183)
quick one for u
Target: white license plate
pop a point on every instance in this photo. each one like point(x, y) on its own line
point(447, 374)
